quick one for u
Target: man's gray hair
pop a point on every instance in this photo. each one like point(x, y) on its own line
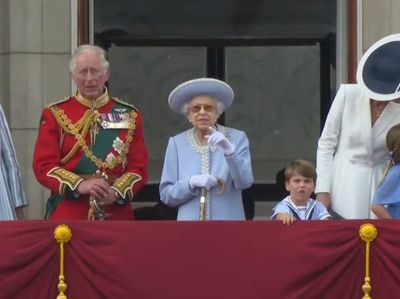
point(89, 48)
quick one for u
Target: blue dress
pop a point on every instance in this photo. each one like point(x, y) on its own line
point(184, 158)
point(388, 192)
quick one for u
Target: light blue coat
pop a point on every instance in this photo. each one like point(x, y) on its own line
point(185, 158)
point(388, 192)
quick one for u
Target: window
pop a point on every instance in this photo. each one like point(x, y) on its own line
point(279, 56)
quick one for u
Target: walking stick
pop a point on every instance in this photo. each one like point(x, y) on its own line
point(203, 199)
point(203, 205)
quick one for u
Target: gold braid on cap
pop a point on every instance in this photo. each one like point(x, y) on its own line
point(79, 131)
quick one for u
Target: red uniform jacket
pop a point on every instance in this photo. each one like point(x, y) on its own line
point(75, 140)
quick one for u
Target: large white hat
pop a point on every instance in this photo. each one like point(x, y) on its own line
point(378, 71)
point(186, 91)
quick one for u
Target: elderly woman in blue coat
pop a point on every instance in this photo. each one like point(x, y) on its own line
point(206, 167)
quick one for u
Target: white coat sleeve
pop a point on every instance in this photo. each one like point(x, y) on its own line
point(328, 141)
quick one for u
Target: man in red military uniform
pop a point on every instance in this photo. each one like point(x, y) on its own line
point(90, 150)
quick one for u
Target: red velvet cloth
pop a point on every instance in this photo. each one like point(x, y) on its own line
point(173, 260)
point(79, 209)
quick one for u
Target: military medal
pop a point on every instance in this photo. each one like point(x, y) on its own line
point(115, 120)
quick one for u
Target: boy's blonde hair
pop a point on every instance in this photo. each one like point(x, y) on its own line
point(302, 167)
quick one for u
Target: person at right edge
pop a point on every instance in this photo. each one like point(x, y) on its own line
point(351, 152)
point(386, 201)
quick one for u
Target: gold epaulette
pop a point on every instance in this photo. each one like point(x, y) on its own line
point(125, 103)
point(60, 101)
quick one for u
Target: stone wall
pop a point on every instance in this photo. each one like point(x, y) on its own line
point(379, 18)
point(34, 53)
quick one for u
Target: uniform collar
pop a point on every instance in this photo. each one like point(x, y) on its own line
point(99, 102)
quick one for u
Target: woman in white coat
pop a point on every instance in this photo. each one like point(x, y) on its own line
point(351, 151)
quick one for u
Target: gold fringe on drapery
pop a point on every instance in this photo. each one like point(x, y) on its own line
point(62, 234)
point(368, 233)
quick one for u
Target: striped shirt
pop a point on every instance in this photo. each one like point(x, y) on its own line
point(12, 194)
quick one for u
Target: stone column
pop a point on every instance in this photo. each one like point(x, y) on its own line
point(39, 49)
point(379, 18)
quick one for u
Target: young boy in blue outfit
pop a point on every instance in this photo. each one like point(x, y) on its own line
point(300, 177)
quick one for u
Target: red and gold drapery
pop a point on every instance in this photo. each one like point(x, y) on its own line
point(151, 259)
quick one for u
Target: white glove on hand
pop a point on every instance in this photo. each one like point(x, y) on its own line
point(203, 181)
point(217, 138)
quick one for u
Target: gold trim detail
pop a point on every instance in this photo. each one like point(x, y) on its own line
point(65, 177)
point(58, 102)
point(118, 100)
point(62, 234)
point(368, 233)
point(123, 185)
point(80, 129)
point(83, 125)
point(98, 103)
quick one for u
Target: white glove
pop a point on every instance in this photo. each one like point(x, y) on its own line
point(203, 181)
point(217, 138)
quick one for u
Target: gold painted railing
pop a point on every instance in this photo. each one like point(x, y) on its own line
point(62, 234)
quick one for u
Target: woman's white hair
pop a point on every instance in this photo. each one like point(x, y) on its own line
point(220, 106)
point(89, 48)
